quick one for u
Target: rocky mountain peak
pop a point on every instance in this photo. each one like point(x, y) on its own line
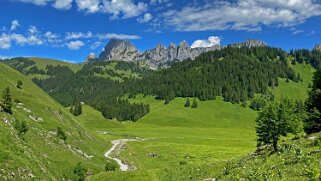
point(183, 44)
point(119, 50)
point(90, 58)
point(250, 43)
point(317, 47)
point(172, 46)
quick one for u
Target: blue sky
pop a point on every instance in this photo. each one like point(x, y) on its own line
point(71, 29)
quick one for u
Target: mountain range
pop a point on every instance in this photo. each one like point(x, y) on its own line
point(161, 55)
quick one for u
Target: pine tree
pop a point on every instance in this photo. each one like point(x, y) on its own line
point(21, 127)
point(188, 103)
point(276, 120)
point(19, 84)
point(6, 101)
point(194, 104)
point(80, 172)
point(76, 108)
point(61, 134)
point(313, 106)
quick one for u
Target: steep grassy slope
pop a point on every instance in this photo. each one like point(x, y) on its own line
point(294, 90)
point(39, 154)
point(299, 159)
point(42, 63)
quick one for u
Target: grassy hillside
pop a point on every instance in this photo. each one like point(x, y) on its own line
point(193, 144)
point(179, 143)
point(294, 90)
point(183, 139)
point(39, 154)
point(299, 159)
point(42, 63)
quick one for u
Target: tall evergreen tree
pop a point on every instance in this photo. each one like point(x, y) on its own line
point(6, 101)
point(313, 106)
point(76, 108)
point(276, 120)
point(194, 104)
point(187, 103)
point(19, 84)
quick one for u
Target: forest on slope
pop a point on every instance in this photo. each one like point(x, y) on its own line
point(236, 74)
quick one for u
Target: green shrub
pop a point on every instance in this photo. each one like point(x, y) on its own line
point(21, 127)
point(111, 166)
point(80, 172)
point(61, 134)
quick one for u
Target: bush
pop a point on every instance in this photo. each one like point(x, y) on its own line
point(80, 172)
point(182, 162)
point(61, 134)
point(21, 127)
point(19, 84)
point(111, 166)
point(6, 101)
point(194, 104)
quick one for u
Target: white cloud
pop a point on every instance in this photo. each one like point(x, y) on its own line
point(63, 4)
point(77, 35)
point(14, 25)
point(212, 41)
point(123, 8)
point(19, 39)
point(50, 35)
point(36, 2)
point(297, 32)
point(89, 6)
point(75, 45)
point(2, 57)
point(158, 1)
point(33, 30)
point(23, 40)
point(118, 36)
point(32, 36)
point(5, 41)
point(146, 18)
point(95, 45)
point(249, 15)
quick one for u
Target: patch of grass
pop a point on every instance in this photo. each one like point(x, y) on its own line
point(39, 152)
point(42, 63)
point(294, 90)
point(211, 134)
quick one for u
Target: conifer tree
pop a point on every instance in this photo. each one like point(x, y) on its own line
point(19, 84)
point(313, 106)
point(21, 127)
point(188, 103)
point(76, 108)
point(6, 101)
point(276, 120)
point(194, 104)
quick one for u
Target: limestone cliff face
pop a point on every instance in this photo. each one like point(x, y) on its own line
point(161, 55)
point(250, 43)
point(119, 50)
point(317, 47)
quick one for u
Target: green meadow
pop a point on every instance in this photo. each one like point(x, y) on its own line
point(178, 143)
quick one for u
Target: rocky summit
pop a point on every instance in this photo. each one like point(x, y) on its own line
point(161, 55)
point(317, 47)
point(250, 43)
point(119, 50)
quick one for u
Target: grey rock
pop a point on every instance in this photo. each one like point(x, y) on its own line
point(317, 47)
point(161, 56)
point(250, 43)
point(90, 58)
point(119, 50)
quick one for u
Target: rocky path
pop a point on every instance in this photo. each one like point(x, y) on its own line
point(115, 150)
